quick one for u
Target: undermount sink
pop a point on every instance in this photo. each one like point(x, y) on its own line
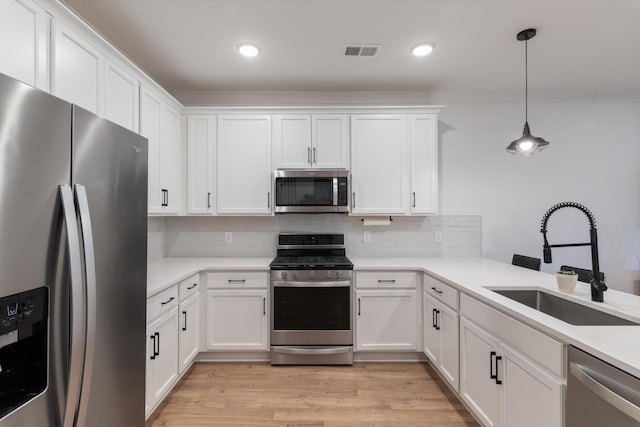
point(563, 309)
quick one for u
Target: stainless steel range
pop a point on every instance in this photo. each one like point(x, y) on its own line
point(311, 301)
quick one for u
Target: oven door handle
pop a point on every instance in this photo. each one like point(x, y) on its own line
point(312, 284)
point(330, 350)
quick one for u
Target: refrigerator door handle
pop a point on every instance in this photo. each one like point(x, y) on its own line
point(77, 307)
point(82, 205)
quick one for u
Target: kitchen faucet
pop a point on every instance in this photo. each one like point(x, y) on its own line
point(597, 285)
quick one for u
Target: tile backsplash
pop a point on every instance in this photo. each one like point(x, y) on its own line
point(257, 236)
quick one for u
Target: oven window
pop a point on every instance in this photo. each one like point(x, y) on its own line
point(311, 308)
point(304, 191)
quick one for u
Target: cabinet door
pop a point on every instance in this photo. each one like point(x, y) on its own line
point(201, 134)
point(150, 107)
point(24, 42)
point(477, 388)
point(431, 335)
point(121, 96)
point(149, 401)
point(529, 397)
point(77, 69)
point(189, 331)
point(424, 164)
point(330, 142)
point(164, 368)
point(386, 320)
point(380, 164)
point(244, 164)
point(449, 345)
point(237, 319)
point(292, 142)
point(170, 158)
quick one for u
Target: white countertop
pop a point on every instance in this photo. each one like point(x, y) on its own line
point(165, 272)
point(618, 345)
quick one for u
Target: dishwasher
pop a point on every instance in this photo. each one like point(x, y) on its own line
point(599, 394)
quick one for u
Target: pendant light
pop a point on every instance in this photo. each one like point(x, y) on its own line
point(527, 144)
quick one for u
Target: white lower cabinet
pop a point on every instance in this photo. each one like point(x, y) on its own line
point(440, 338)
point(189, 331)
point(162, 357)
point(237, 319)
point(386, 320)
point(501, 385)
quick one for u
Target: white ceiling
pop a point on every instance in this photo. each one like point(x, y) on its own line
point(585, 50)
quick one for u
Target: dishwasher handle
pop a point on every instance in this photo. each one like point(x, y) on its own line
point(582, 374)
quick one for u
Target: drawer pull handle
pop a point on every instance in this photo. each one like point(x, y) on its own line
point(167, 301)
point(386, 280)
point(237, 280)
point(192, 286)
point(438, 291)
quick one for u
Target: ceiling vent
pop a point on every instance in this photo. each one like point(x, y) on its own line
point(353, 50)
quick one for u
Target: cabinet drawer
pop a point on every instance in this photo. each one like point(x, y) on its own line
point(542, 349)
point(386, 279)
point(441, 291)
point(238, 279)
point(162, 302)
point(189, 286)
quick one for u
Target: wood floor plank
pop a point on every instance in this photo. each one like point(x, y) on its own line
point(365, 394)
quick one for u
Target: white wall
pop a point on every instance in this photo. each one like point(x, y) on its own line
point(593, 159)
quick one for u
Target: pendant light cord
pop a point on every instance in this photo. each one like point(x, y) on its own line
point(526, 82)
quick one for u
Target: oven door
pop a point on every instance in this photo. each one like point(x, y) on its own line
point(316, 313)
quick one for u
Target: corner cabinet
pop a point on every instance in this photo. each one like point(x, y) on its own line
point(386, 311)
point(237, 311)
point(311, 141)
point(160, 124)
point(244, 172)
point(510, 376)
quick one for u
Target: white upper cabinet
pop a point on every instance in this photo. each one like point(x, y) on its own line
point(330, 141)
point(291, 142)
point(244, 164)
point(77, 69)
point(424, 163)
point(24, 42)
point(303, 141)
point(121, 96)
point(201, 152)
point(160, 124)
point(380, 164)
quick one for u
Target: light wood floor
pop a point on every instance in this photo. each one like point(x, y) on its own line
point(365, 394)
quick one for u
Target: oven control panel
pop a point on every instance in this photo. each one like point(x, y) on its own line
point(308, 275)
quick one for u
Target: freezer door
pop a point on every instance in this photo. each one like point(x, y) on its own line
point(35, 158)
point(110, 167)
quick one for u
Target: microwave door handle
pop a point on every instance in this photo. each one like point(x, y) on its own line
point(335, 191)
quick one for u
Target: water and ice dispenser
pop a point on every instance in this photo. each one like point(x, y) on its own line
point(23, 347)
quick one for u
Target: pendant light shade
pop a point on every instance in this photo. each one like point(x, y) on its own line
point(527, 144)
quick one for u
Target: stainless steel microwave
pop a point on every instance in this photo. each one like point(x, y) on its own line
point(311, 191)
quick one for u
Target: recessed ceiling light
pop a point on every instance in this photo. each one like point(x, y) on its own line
point(422, 49)
point(248, 49)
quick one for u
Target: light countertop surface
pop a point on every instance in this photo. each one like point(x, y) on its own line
point(618, 345)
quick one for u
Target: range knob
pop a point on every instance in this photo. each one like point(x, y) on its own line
point(328, 275)
point(337, 275)
point(283, 275)
point(310, 274)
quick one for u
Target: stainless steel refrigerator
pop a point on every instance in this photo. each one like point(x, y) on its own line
point(73, 221)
